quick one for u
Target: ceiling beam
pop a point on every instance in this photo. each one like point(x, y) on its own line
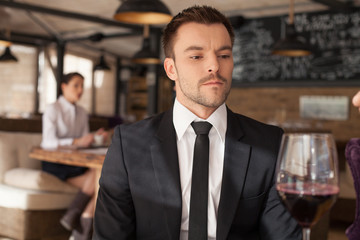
point(25, 38)
point(337, 5)
point(97, 37)
point(41, 41)
point(68, 14)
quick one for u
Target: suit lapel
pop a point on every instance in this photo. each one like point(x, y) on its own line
point(236, 160)
point(166, 167)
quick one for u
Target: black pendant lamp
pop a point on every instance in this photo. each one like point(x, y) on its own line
point(102, 65)
point(4, 37)
point(143, 12)
point(4, 43)
point(7, 56)
point(292, 45)
point(146, 55)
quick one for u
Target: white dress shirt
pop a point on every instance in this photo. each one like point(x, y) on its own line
point(182, 119)
point(62, 122)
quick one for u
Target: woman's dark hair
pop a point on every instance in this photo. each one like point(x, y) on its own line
point(197, 14)
point(67, 78)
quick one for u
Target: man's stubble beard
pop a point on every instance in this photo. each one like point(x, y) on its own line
point(201, 99)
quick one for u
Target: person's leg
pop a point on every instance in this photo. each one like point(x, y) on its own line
point(85, 229)
point(90, 208)
point(85, 182)
point(82, 203)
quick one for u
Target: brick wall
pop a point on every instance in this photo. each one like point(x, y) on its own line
point(282, 105)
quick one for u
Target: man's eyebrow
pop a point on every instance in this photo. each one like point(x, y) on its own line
point(191, 48)
point(198, 48)
point(226, 47)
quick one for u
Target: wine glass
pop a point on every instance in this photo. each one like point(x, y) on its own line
point(307, 176)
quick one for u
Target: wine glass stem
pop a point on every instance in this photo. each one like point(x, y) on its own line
point(306, 233)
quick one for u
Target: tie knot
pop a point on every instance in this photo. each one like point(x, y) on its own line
point(201, 127)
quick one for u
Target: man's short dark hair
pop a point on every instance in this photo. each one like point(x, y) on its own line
point(197, 14)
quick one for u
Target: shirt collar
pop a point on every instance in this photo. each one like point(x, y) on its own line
point(66, 103)
point(183, 117)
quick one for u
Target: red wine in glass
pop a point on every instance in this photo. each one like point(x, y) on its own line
point(307, 206)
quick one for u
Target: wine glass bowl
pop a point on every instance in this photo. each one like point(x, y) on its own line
point(307, 176)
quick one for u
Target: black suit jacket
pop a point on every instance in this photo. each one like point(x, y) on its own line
point(140, 192)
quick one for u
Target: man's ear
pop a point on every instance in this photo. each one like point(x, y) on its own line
point(169, 66)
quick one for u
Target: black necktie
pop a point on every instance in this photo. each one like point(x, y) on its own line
point(199, 184)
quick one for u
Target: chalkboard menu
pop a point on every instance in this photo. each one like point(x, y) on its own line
point(334, 36)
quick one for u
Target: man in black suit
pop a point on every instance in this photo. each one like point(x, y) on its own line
point(145, 183)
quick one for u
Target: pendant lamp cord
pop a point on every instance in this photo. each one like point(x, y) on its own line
point(146, 30)
point(291, 12)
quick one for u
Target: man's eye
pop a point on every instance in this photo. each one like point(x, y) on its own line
point(195, 57)
point(224, 56)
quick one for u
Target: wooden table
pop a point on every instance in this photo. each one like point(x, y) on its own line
point(85, 157)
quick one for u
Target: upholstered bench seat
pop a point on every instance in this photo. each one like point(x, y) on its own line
point(31, 201)
point(27, 199)
point(34, 189)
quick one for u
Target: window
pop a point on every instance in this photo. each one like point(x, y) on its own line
point(104, 83)
point(18, 81)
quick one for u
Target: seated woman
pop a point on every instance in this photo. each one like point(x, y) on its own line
point(64, 123)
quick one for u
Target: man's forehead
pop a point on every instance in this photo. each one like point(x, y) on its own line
point(194, 27)
point(194, 35)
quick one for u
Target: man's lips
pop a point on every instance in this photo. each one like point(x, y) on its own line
point(213, 79)
point(218, 82)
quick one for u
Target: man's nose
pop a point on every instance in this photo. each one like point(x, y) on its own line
point(213, 64)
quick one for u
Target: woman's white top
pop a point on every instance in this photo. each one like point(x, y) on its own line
point(63, 121)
